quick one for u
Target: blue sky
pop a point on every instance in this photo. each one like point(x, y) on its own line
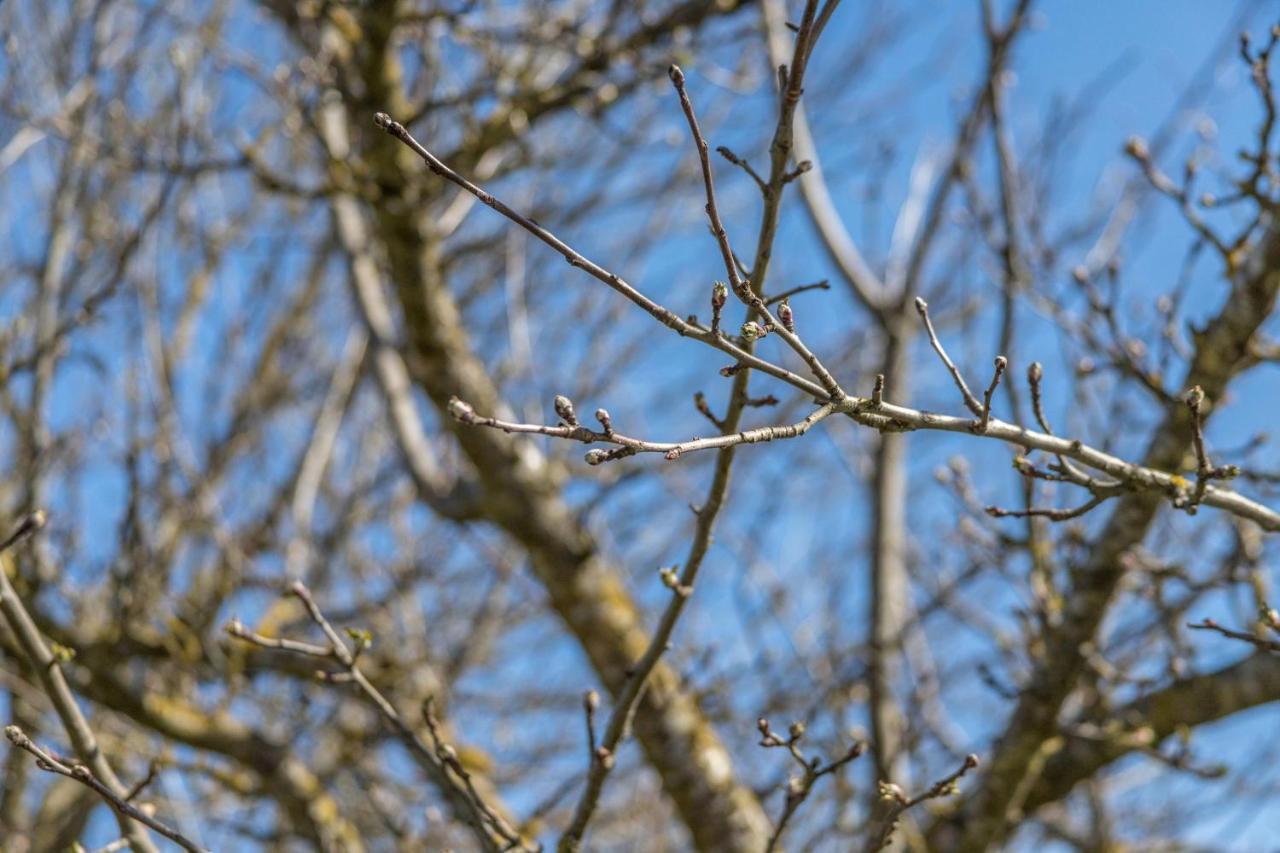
point(1134, 60)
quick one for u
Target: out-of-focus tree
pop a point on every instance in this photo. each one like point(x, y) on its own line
point(296, 387)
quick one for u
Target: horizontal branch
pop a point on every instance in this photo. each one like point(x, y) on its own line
point(1262, 643)
point(1132, 475)
point(886, 416)
point(628, 446)
point(1182, 492)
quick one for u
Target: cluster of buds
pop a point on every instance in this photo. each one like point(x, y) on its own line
point(770, 738)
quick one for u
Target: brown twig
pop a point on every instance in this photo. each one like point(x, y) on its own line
point(784, 328)
point(1204, 470)
point(54, 681)
point(889, 792)
point(970, 401)
point(984, 420)
point(120, 805)
point(811, 770)
point(663, 315)
point(1035, 375)
point(491, 829)
point(1253, 639)
point(1049, 513)
point(887, 417)
point(742, 164)
point(627, 700)
point(803, 288)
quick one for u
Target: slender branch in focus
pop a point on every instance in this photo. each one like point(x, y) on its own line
point(784, 328)
point(985, 418)
point(970, 401)
point(884, 416)
point(628, 446)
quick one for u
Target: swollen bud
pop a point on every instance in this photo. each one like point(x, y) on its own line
point(719, 295)
point(752, 330)
point(889, 792)
point(669, 577)
point(460, 410)
point(786, 316)
point(564, 408)
point(605, 421)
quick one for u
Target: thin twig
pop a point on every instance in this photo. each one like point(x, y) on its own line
point(1035, 375)
point(1253, 639)
point(985, 420)
point(491, 829)
point(811, 770)
point(784, 328)
point(83, 775)
point(804, 288)
point(663, 315)
point(1204, 470)
point(971, 401)
point(1051, 514)
point(54, 683)
point(590, 702)
point(944, 787)
point(712, 209)
point(627, 700)
point(464, 412)
point(743, 164)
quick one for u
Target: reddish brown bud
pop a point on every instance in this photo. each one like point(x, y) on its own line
point(786, 316)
